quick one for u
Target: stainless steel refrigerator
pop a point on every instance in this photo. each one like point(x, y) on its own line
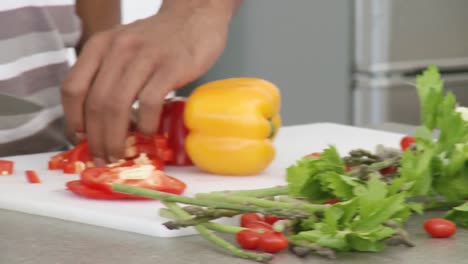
point(393, 41)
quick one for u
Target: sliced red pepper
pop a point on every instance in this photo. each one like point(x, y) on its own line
point(103, 178)
point(77, 159)
point(6, 167)
point(155, 148)
point(74, 167)
point(153, 152)
point(173, 126)
point(81, 189)
point(148, 149)
point(80, 153)
point(158, 164)
point(32, 177)
point(165, 154)
point(161, 141)
point(91, 178)
point(57, 161)
point(71, 161)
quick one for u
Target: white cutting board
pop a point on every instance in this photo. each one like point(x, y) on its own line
point(50, 198)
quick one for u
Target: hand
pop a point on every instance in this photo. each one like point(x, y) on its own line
point(141, 61)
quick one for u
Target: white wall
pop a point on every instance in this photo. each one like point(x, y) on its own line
point(136, 9)
point(304, 47)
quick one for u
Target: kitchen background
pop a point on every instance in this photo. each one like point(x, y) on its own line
point(349, 62)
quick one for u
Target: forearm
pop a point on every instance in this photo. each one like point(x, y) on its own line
point(220, 8)
point(97, 16)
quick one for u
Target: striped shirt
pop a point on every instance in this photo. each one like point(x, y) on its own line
point(35, 37)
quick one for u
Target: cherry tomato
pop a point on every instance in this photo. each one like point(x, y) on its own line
point(248, 239)
point(389, 170)
point(271, 219)
point(332, 201)
point(249, 218)
point(273, 242)
point(440, 228)
point(406, 142)
point(347, 167)
point(259, 226)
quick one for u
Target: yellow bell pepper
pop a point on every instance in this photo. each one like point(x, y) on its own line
point(231, 124)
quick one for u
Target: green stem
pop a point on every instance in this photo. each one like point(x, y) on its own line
point(304, 247)
point(442, 204)
point(289, 199)
point(228, 229)
point(383, 164)
point(265, 192)
point(243, 207)
point(193, 221)
point(166, 213)
point(310, 208)
point(180, 213)
point(210, 212)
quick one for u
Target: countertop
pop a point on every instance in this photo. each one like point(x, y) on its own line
point(30, 239)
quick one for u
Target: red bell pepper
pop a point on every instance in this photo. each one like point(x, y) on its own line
point(155, 147)
point(166, 147)
point(79, 158)
point(80, 153)
point(6, 167)
point(173, 126)
point(96, 183)
point(78, 188)
point(102, 178)
point(57, 162)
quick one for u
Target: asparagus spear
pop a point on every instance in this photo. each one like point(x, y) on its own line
point(242, 204)
point(207, 234)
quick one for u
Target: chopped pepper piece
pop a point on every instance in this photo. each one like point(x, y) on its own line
point(6, 167)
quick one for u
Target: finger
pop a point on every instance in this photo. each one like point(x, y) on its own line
point(79, 79)
point(134, 78)
point(151, 100)
point(98, 103)
point(73, 137)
